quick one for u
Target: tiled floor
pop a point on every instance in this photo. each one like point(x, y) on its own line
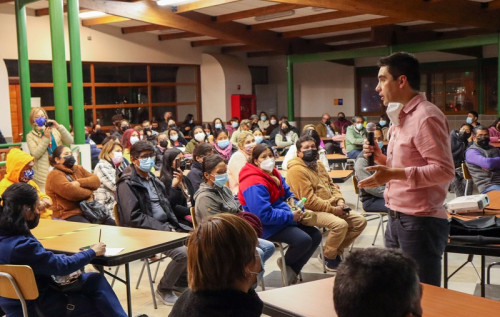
point(464, 281)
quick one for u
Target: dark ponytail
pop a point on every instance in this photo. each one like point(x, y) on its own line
point(13, 201)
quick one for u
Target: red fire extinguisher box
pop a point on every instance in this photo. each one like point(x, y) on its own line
point(243, 106)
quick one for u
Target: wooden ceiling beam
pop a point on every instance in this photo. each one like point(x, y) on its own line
point(256, 12)
point(104, 20)
point(301, 20)
point(239, 48)
point(264, 54)
point(343, 27)
point(143, 28)
point(45, 11)
point(494, 5)
point(213, 42)
point(6, 1)
point(202, 4)
point(175, 36)
point(344, 37)
point(462, 13)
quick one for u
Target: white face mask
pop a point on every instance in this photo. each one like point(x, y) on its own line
point(267, 165)
point(273, 122)
point(200, 136)
point(393, 110)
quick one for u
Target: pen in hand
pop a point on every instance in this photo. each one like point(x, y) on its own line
point(100, 231)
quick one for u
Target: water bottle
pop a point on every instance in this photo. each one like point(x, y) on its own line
point(300, 204)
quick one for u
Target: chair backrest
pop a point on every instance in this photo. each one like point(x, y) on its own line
point(355, 184)
point(17, 276)
point(465, 171)
point(193, 217)
point(116, 214)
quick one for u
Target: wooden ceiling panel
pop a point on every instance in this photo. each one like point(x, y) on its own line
point(202, 4)
point(103, 20)
point(256, 12)
point(143, 28)
point(213, 42)
point(302, 20)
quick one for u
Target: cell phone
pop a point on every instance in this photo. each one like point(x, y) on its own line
point(177, 163)
point(346, 209)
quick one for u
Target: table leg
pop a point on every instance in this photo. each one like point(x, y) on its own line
point(127, 284)
point(483, 290)
point(445, 270)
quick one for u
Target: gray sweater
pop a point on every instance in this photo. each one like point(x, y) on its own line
point(486, 175)
point(360, 174)
point(211, 200)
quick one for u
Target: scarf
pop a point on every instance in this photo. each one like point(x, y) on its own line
point(225, 153)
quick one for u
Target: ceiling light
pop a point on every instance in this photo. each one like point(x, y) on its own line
point(173, 2)
point(91, 14)
point(275, 15)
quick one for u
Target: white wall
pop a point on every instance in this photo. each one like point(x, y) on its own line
point(5, 120)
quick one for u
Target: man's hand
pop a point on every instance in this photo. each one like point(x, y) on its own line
point(339, 211)
point(369, 150)
point(383, 174)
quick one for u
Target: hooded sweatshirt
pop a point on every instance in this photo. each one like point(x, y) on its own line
point(16, 161)
point(211, 200)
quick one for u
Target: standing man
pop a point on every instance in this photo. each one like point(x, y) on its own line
point(417, 169)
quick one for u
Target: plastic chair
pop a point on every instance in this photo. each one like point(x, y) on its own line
point(467, 177)
point(18, 282)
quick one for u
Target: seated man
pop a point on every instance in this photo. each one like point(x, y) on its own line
point(372, 198)
point(460, 141)
point(377, 282)
point(142, 204)
point(483, 161)
point(354, 138)
point(308, 178)
point(341, 124)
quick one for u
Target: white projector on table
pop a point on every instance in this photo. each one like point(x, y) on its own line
point(467, 204)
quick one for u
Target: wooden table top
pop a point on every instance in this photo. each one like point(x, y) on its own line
point(48, 228)
point(315, 299)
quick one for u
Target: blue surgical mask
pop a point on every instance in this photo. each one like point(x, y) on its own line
point(382, 123)
point(134, 140)
point(220, 180)
point(223, 144)
point(218, 126)
point(380, 144)
point(259, 139)
point(40, 121)
point(234, 124)
point(146, 164)
point(468, 120)
point(263, 118)
point(359, 126)
point(174, 137)
point(260, 275)
point(191, 121)
point(28, 174)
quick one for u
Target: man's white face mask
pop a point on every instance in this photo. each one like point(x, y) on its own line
point(393, 110)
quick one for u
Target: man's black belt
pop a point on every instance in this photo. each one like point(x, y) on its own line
point(394, 214)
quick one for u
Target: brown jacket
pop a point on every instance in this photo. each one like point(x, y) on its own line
point(66, 196)
point(317, 187)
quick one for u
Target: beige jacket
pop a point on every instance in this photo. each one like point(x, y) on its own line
point(236, 163)
point(317, 187)
point(38, 145)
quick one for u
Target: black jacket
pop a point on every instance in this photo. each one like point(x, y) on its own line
point(458, 148)
point(195, 175)
point(227, 303)
point(134, 205)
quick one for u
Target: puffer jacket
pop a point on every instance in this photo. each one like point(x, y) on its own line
point(211, 200)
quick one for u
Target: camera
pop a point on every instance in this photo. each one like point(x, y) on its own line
point(49, 124)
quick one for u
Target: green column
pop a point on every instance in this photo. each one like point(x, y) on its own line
point(76, 72)
point(59, 74)
point(24, 65)
point(290, 95)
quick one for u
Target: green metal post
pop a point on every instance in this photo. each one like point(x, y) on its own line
point(76, 72)
point(290, 92)
point(59, 74)
point(498, 75)
point(24, 65)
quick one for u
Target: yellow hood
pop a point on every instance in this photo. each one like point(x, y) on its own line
point(16, 161)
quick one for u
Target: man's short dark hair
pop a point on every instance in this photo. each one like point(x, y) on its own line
point(139, 147)
point(304, 138)
point(202, 149)
point(402, 63)
point(474, 113)
point(479, 128)
point(377, 282)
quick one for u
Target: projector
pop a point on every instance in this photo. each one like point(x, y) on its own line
point(467, 204)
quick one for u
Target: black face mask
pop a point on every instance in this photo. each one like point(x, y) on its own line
point(33, 223)
point(69, 161)
point(483, 142)
point(464, 136)
point(163, 143)
point(285, 130)
point(146, 130)
point(341, 118)
point(310, 155)
point(125, 128)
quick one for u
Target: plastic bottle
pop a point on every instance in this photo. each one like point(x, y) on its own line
point(300, 204)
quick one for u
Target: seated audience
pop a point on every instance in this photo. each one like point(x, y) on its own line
point(188, 124)
point(108, 170)
point(483, 161)
point(379, 283)
point(198, 137)
point(195, 174)
point(273, 124)
point(20, 170)
point(149, 134)
point(222, 145)
point(178, 188)
point(222, 268)
point(383, 124)
point(116, 119)
point(340, 125)
point(355, 137)
point(264, 193)
point(232, 125)
point(245, 125)
point(155, 126)
point(162, 144)
point(324, 128)
point(371, 198)
point(94, 150)
point(143, 204)
point(259, 136)
point(176, 138)
point(207, 128)
point(285, 138)
point(459, 144)
point(68, 184)
point(472, 117)
point(18, 216)
point(97, 135)
point(167, 116)
point(215, 197)
point(254, 121)
point(263, 121)
point(123, 126)
point(246, 143)
point(217, 124)
point(309, 179)
point(129, 138)
point(494, 129)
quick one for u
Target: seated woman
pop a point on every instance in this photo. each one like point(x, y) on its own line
point(215, 197)
point(195, 174)
point(246, 143)
point(273, 124)
point(259, 136)
point(68, 184)
point(263, 121)
point(207, 128)
point(19, 215)
point(285, 138)
point(178, 188)
point(222, 268)
point(217, 124)
point(264, 192)
point(129, 138)
point(175, 138)
point(198, 137)
point(222, 145)
point(20, 169)
point(108, 170)
point(188, 124)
